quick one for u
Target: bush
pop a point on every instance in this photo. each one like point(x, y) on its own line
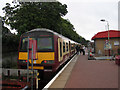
point(10, 43)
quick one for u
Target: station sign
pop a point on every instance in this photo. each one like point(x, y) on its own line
point(34, 44)
point(107, 45)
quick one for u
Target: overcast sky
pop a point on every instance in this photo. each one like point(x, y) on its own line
point(85, 15)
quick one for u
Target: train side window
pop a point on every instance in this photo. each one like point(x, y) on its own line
point(67, 46)
point(72, 47)
point(60, 49)
point(63, 46)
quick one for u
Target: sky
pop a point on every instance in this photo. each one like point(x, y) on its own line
point(85, 15)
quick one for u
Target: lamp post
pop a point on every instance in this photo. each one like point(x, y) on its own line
point(103, 20)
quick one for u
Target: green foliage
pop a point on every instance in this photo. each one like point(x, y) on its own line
point(26, 16)
point(9, 60)
point(4, 30)
point(10, 43)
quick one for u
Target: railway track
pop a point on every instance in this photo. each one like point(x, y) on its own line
point(47, 85)
point(42, 84)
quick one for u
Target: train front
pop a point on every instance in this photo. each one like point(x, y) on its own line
point(45, 55)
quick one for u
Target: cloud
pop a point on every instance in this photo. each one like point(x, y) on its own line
point(3, 4)
point(88, 1)
point(86, 17)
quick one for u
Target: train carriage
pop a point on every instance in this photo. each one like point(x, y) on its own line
point(53, 49)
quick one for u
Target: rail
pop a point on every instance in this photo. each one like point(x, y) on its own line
point(50, 83)
point(17, 77)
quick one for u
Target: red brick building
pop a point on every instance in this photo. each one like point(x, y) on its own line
point(101, 42)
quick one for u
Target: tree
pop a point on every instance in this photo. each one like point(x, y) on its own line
point(27, 16)
point(5, 30)
point(10, 41)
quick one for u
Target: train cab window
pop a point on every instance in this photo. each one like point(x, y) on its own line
point(63, 46)
point(24, 44)
point(67, 46)
point(45, 44)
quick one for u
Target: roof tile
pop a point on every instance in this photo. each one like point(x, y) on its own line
point(104, 34)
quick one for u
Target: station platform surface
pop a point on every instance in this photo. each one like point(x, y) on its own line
point(84, 73)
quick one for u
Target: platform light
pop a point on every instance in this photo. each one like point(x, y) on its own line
point(103, 20)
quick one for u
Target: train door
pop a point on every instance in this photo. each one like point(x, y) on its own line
point(69, 48)
point(60, 49)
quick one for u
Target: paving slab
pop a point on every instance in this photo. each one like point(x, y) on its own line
point(93, 74)
point(84, 73)
point(104, 58)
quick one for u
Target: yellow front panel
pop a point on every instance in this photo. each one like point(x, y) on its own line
point(44, 56)
point(40, 56)
point(23, 55)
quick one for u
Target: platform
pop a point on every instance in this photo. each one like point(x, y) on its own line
point(84, 73)
point(104, 58)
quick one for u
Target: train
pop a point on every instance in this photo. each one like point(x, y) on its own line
point(53, 50)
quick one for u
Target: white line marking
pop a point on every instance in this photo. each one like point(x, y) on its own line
point(50, 83)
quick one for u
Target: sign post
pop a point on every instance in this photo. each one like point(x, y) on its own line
point(28, 62)
point(32, 49)
point(107, 47)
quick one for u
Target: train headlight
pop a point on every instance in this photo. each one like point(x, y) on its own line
point(47, 62)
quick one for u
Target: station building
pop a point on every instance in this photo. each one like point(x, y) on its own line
point(104, 47)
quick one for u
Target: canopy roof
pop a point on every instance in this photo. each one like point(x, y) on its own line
point(104, 34)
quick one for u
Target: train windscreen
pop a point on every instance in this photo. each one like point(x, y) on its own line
point(24, 44)
point(43, 44)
